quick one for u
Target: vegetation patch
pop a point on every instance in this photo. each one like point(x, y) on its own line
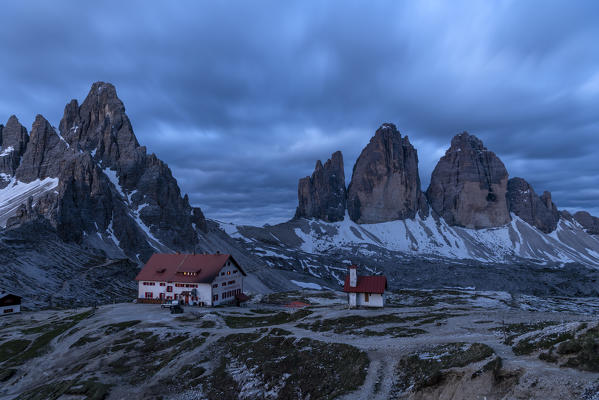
point(82, 341)
point(91, 390)
point(355, 324)
point(238, 322)
point(285, 367)
point(513, 331)
point(50, 331)
point(536, 342)
point(119, 326)
point(12, 347)
point(6, 374)
point(582, 352)
point(419, 370)
point(281, 298)
point(148, 353)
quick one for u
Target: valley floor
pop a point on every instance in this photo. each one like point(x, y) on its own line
point(446, 344)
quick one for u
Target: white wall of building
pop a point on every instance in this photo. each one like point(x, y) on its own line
point(359, 299)
point(225, 285)
point(6, 310)
point(222, 285)
point(170, 291)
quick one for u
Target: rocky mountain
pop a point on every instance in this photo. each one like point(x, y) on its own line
point(106, 191)
point(469, 184)
point(13, 139)
point(101, 196)
point(323, 195)
point(538, 211)
point(589, 222)
point(482, 229)
point(385, 184)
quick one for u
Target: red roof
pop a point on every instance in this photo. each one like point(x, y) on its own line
point(297, 304)
point(367, 284)
point(187, 268)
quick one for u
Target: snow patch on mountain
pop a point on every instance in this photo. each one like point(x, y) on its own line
point(431, 236)
point(17, 193)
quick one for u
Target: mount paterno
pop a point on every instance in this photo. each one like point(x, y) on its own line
point(97, 196)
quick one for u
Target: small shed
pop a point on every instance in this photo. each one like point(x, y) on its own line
point(9, 303)
point(368, 291)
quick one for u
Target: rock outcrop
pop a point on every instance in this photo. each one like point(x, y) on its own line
point(43, 153)
point(469, 184)
point(109, 192)
point(538, 211)
point(13, 141)
point(385, 184)
point(323, 195)
point(589, 222)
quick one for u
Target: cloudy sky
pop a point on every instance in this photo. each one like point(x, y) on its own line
point(241, 98)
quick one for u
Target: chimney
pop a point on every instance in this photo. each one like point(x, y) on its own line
point(353, 276)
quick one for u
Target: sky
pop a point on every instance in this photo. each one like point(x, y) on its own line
point(241, 98)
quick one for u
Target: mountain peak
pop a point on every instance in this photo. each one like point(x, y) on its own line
point(469, 185)
point(385, 184)
point(323, 194)
point(101, 126)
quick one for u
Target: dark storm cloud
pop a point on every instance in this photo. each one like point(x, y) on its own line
point(242, 98)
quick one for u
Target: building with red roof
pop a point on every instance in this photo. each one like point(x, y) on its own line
point(197, 279)
point(366, 291)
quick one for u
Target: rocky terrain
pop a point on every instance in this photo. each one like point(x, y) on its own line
point(87, 199)
point(451, 344)
point(84, 205)
point(473, 227)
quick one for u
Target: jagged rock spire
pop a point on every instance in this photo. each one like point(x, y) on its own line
point(101, 127)
point(13, 139)
point(44, 150)
point(385, 183)
point(538, 211)
point(323, 194)
point(469, 184)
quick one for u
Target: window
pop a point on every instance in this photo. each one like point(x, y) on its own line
point(224, 284)
point(228, 272)
point(215, 297)
point(235, 271)
point(162, 284)
point(7, 310)
point(169, 297)
point(149, 295)
point(161, 296)
point(215, 286)
point(231, 282)
point(169, 288)
point(366, 297)
point(222, 274)
point(176, 296)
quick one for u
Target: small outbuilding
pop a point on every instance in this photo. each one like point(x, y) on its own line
point(368, 291)
point(9, 303)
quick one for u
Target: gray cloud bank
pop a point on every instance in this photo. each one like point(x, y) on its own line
point(242, 98)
